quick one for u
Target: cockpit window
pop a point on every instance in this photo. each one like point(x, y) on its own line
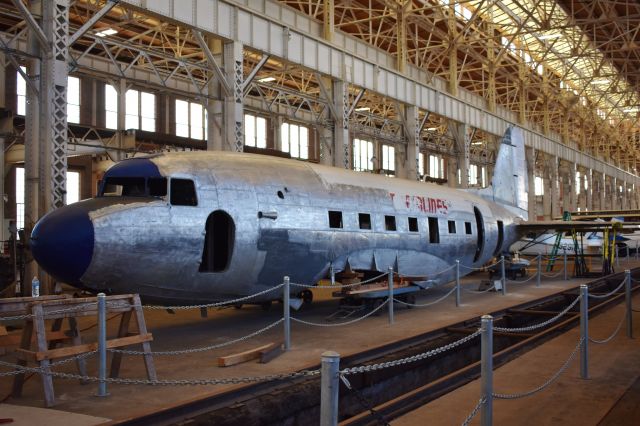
point(134, 187)
point(183, 193)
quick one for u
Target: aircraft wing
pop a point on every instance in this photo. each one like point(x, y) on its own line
point(605, 214)
point(577, 225)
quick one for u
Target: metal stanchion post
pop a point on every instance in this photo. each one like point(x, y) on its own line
point(636, 249)
point(390, 294)
point(102, 345)
point(566, 270)
point(584, 331)
point(627, 294)
point(627, 259)
point(329, 388)
point(457, 283)
point(287, 316)
point(486, 370)
point(539, 269)
point(504, 277)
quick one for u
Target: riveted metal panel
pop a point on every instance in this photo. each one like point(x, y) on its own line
point(245, 27)
point(293, 47)
point(276, 40)
point(358, 73)
point(310, 53)
point(258, 33)
point(303, 24)
point(183, 10)
point(272, 10)
point(225, 20)
point(160, 6)
point(205, 14)
point(382, 81)
point(337, 63)
point(288, 17)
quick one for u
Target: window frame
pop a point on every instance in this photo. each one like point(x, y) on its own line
point(334, 215)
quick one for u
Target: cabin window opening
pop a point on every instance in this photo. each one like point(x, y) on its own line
point(480, 228)
point(281, 195)
point(434, 232)
point(467, 228)
point(218, 242)
point(157, 187)
point(183, 192)
point(452, 226)
point(390, 223)
point(500, 238)
point(124, 187)
point(364, 219)
point(413, 224)
point(335, 219)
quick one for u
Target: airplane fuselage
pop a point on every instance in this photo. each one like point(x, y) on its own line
point(203, 226)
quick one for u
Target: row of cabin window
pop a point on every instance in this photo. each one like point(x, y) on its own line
point(364, 221)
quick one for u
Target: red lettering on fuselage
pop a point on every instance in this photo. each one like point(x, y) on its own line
point(423, 204)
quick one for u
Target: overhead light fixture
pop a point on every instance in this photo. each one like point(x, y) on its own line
point(631, 109)
point(267, 80)
point(601, 81)
point(476, 143)
point(363, 109)
point(106, 32)
point(549, 36)
point(431, 129)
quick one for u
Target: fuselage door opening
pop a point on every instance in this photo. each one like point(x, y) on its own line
point(219, 240)
point(480, 234)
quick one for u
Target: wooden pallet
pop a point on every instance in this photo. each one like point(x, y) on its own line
point(70, 309)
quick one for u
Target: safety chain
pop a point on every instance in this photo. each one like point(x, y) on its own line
point(615, 332)
point(475, 410)
point(370, 280)
point(547, 383)
point(539, 325)
point(422, 305)
point(53, 364)
point(611, 293)
point(553, 275)
point(444, 270)
point(364, 402)
point(414, 358)
point(59, 311)
point(482, 267)
point(216, 304)
point(201, 349)
point(169, 382)
point(522, 281)
point(317, 324)
point(492, 287)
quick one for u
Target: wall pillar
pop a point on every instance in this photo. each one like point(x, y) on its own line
point(462, 136)
point(413, 143)
point(342, 146)
point(215, 107)
point(233, 102)
point(589, 191)
point(603, 191)
point(530, 154)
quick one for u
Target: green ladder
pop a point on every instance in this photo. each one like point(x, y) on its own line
point(556, 246)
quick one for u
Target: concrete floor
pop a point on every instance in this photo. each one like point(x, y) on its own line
point(186, 329)
point(613, 369)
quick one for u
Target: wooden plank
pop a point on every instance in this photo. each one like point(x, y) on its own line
point(14, 339)
point(146, 347)
point(116, 360)
point(80, 349)
point(12, 306)
point(275, 350)
point(226, 361)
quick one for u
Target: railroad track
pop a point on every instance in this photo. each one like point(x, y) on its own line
point(382, 395)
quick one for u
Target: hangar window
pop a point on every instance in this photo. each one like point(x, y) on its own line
point(295, 140)
point(255, 131)
point(191, 120)
point(335, 219)
point(183, 193)
point(218, 242)
point(110, 107)
point(73, 97)
point(434, 232)
point(467, 228)
point(452, 226)
point(140, 110)
point(363, 155)
point(413, 224)
point(388, 160)
point(364, 220)
point(390, 223)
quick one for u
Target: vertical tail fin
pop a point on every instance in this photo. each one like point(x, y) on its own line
point(509, 184)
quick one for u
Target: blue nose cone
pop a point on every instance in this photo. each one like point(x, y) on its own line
point(62, 243)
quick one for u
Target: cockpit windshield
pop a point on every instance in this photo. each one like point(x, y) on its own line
point(134, 187)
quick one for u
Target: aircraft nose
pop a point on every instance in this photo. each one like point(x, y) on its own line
point(62, 243)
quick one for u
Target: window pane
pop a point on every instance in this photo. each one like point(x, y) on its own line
point(131, 100)
point(249, 130)
point(111, 107)
point(147, 105)
point(148, 124)
point(19, 184)
point(261, 132)
point(73, 113)
point(304, 142)
point(196, 121)
point(182, 130)
point(73, 99)
point(284, 137)
point(183, 192)
point(295, 146)
point(111, 121)
point(182, 114)
point(73, 187)
point(21, 87)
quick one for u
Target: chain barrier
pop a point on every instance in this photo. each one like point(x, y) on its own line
point(545, 384)
point(481, 268)
point(615, 332)
point(364, 402)
point(422, 305)
point(553, 275)
point(492, 287)
point(539, 325)
point(474, 412)
point(414, 358)
point(522, 281)
point(317, 324)
point(215, 304)
point(201, 349)
point(611, 293)
point(168, 382)
point(47, 313)
point(370, 280)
